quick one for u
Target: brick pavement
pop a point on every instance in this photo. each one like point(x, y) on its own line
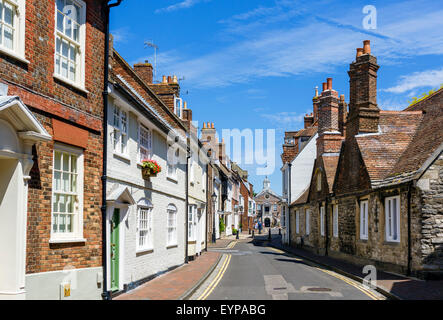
point(172, 285)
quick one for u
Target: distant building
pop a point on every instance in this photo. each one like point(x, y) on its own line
point(268, 205)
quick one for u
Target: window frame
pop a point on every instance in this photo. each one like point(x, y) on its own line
point(297, 221)
point(192, 222)
point(149, 150)
point(19, 31)
point(117, 147)
point(81, 44)
point(308, 222)
point(364, 216)
point(150, 228)
point(335, 220)
point(171, 209)
point(180, 113)
point(78, 228)
point(322, 221)
point(174, 164)
point(388, 226)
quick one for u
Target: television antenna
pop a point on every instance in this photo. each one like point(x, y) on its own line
point(151, 44)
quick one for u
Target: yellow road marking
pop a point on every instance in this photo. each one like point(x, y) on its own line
point(359, 287)
point(216, 280)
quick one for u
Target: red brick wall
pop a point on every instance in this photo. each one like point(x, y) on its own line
point(51, 99)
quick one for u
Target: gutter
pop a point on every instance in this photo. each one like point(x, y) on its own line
point(106, 295)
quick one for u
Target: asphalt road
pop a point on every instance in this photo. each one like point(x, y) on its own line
point(258, 272)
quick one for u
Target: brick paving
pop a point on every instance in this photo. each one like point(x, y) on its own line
point(401, 287)
point(173, 285)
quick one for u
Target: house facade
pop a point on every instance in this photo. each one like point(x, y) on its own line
point(268, 205)
point(145, 215)
point(376, 180)
point(51, 109)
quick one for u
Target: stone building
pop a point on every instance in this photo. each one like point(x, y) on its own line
point(268, 205)
point(376, 186)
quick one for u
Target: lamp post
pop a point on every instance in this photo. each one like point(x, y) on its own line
point(214, 199)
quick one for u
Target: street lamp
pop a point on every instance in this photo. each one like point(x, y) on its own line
point(214, 199)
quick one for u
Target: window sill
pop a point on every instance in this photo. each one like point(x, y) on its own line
point(14, 55)
point(67, 240)
point(173, 179)
point(392, 242)
point(172, 246)
point(142, 252)
point(122, 156)
point(71, 83)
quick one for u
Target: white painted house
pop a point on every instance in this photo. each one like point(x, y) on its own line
point(145, 218)
point(296, 180)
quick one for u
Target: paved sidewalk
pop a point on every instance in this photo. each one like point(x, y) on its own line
point(396, 286)
point(174, 284)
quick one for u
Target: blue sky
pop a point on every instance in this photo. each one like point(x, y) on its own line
point(255, 64)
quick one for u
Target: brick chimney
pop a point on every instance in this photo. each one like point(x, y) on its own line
point(342, 114)
point(222, 151)
point(144, 71)
point(209, 139)
point(329, 136)
point(167, 91)
point(309, 120)
point(315, 103)
point(364, 113)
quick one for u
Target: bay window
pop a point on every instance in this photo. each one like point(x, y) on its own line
point(67, 194)
point(70, 41)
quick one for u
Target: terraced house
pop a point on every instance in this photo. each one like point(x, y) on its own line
point(52, 57)
point(376, 185)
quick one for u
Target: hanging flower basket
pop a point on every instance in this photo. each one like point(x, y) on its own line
point(150, 168)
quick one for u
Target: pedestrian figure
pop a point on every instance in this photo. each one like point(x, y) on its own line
point(259, 227)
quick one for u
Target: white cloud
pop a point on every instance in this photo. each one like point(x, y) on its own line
point(121, 35)
point(428, 78)
point(180, 5)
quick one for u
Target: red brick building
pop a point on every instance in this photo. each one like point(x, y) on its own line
point(52, 78)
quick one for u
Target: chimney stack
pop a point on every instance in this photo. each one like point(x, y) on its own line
point(315, 104)
point(309, 120)
point(364, 113)
point(342, 114)
point(329, 136)
point(209, 139)
point(144, 71)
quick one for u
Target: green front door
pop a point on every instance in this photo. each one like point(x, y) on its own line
point(115, 222)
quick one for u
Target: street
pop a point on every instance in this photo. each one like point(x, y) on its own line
point(249, 271)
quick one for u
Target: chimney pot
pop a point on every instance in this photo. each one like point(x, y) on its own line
point(164, 80)
point(359, 52)
point(212, 125)
point(185, 105)
point(169, 79)
point(342, 97)
point(367, 47)
point(329, 82)
point(174, 79)
point(316, 92)
point(204, 125)
point(325, 86)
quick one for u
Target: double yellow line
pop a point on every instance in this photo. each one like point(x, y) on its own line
point(231, 245)
point(217, 279)
point(355, 285)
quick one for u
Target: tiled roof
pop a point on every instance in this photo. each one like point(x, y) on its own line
point(308, 132)
point(303, 198)
point(381, 151)
point(330, 164)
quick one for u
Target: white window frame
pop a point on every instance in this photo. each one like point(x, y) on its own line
point(192, 222)
point(148, 227)
point(178, 107)
point(308, 222)
point(19, 28)
point(174, 163)
point(364, 219)
point(297, 221)
point(392, 219)
point(171, 229)
point(119, 134)
point(335, 221)
point(77, 222)
point(322, 221)
point(79, 83)
point(141, 147)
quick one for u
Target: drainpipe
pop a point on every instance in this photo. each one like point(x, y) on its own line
point(289, 204)
point(105, 294)
point(188, 156)
point(408, 272)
